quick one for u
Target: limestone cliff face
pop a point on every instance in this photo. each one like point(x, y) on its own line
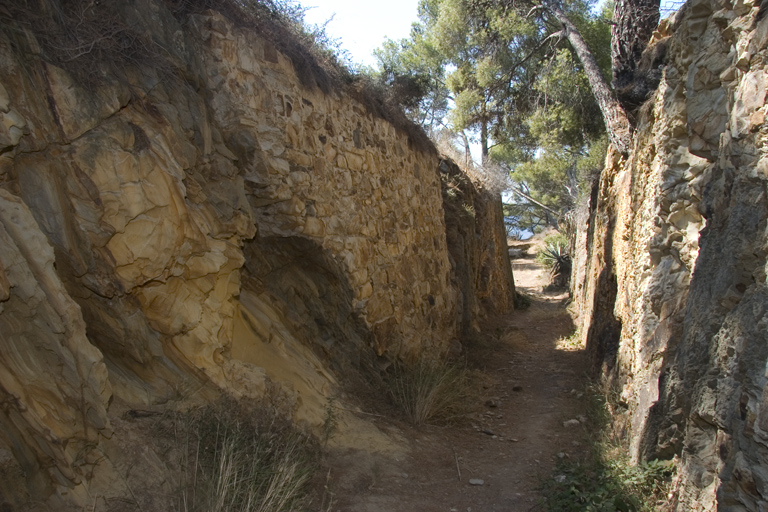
point(675, 299)
point(212, 223)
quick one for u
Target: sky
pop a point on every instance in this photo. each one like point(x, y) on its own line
point(363, 24)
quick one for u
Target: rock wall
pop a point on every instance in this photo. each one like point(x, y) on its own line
point(674, 304)
point(209, 221)
point(477, 243)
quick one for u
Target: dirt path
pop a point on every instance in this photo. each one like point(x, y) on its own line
point(533, 387)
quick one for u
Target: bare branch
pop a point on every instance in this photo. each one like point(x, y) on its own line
point(534, 201)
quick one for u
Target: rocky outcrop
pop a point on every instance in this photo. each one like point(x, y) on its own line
point(208, 220)
point(54, 382)
point(477, 244)
point(673, 307)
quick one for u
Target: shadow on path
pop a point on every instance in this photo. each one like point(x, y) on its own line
point(532, 386)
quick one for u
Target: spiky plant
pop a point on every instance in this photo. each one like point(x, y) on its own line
point(555, 256)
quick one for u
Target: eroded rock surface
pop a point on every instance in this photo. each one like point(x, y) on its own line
point(675, 296)
point(209, 222)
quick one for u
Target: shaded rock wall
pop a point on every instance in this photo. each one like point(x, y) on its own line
point(675, 301)
point(477, 243)
point(206, 222)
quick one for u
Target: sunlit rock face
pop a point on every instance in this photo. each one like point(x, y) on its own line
point(207, 221)
point(673, 288)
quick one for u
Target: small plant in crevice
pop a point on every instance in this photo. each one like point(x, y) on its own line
point(430, 391)
point(237, 457)
point(605, 479)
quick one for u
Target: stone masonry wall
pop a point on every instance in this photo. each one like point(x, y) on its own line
point(320, 166)
point(674, 308)
point(199, 224)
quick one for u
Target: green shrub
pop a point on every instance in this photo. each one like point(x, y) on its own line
point(555, 256)
point(555, 244)
point(608, 486)
point(606, 480)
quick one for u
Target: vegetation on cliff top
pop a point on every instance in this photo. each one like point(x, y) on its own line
point(100, 42)
point(503, 72)
point(528, 79)
point(500, 73)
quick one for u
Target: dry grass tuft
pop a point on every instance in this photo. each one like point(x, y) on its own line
point(430, 391)
point(241, 457)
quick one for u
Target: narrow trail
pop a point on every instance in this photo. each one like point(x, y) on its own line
point(532, 387)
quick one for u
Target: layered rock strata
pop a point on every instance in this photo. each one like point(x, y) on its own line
point(210, 222)
point(674, 302)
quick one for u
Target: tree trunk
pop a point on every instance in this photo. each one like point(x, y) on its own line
point(633, 24)
point(614, 115)
point(484, 136)
point(467, 151)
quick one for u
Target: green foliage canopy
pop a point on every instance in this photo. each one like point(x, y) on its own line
point(500, 69)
